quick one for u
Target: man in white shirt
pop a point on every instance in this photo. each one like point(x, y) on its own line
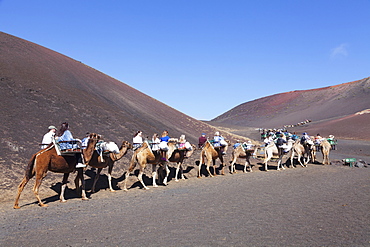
point(48, 137)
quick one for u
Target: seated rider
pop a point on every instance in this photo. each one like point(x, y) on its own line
point(155, 143)
point(280, 144)
point(137, 140)
point(66, 135)
point(218, 142)
point(48, 137)
point(163, 145)
point(268, 140)
point(202, 139)
point(305, 138)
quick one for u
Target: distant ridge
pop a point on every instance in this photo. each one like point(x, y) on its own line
point(289, 108)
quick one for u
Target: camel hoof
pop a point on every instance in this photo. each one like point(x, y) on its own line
point(84, 199)
point(199, 177)
point(125, 189)
point(146, 188)
point(176, 180)
point(63, 201)
point(112, 191)
point(16, 207)
point(43, 205)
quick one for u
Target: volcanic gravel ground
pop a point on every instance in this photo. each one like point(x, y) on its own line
point(314, 206)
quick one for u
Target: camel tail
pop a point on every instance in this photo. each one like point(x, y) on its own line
point(30, 172)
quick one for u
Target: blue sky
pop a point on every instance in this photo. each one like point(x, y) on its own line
point(204, 57)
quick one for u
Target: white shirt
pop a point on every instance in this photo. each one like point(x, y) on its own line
point(47, 139)
point(137, 139)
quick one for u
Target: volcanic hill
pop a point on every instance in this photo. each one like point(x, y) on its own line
point(40, 87)
point(332, 110)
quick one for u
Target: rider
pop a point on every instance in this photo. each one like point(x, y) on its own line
point(202, 140)
point(217, 142)
point(280, 143)
point(163, 145)
point(137, 140)
point(66, 135)
point(48, 137)
point(305, 138)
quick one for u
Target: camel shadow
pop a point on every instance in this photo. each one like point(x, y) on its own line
point(69, 193)
point(102, 183)
point(240, 167)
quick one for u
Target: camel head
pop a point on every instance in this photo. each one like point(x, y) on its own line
point(126, 144)
point(190, 152)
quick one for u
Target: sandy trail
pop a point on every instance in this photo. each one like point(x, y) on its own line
point(314, 206)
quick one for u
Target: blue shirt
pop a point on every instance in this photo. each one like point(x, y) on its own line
point(165, 139)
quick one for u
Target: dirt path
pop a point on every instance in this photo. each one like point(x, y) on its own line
point(314, 206)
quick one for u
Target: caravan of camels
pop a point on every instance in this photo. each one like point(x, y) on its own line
point(64, 156)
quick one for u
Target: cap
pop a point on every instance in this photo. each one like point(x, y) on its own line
point(52, 127)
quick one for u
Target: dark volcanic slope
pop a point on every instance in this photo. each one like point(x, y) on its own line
point(40, 87)
point(293, 107)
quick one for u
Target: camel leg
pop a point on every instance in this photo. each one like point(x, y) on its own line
point(80, 190)
point(299, 160)
point(181, 171)
point(247, 163)
point(80, 176)
point(20, 189)
point(96, 178)
point(222, 165)
point(177, 172)
point(265, 162)
point(128, 172)
point(207, 168)
point(214, 167)
point(232, 166)
point(167, 173)
point(140, 177)
point(36, 187)
point(200, 168)
point(110, 168)
point(154, 175)
point(64, 185)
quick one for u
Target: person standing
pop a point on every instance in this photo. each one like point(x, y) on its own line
point(48, 137)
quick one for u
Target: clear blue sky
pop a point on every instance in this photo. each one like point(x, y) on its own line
point(204, 57)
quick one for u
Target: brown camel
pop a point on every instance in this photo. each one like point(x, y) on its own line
point(325, 148)
point(178, 156)
point(48, 160)
point(271, 150)
point(240, 152)
point(144, 156)
point(211, 154)
point(108, 161)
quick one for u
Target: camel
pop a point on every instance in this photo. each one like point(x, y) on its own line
point(325, 150)
point(302, 150)
point(272, 150)
point(178, 156)
point(96, 162)
point(48, 160)
point(240, 152)
point(211, 154)
point(144, 156)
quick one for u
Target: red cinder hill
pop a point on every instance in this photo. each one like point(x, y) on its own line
point(330, 109)
point(40, 87)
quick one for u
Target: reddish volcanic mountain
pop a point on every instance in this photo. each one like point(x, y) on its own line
point(40, 87)
point(331, 110)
